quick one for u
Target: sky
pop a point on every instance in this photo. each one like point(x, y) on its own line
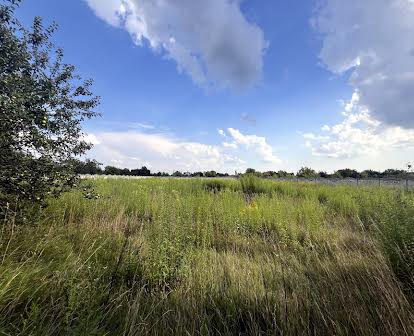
point(196, 85)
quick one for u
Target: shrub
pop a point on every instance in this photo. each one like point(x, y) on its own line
point(42, 105)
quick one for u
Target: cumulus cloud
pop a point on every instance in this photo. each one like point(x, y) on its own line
point(211, 40)
point(230, 145)
point(358, 135)
point(373, 39)
point(254, 142)
point(160, 151)
point(164, 152)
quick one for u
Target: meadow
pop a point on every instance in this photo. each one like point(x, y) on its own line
point(212, 257)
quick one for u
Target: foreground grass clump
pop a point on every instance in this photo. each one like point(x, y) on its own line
point(251, 184)
point(216, 257)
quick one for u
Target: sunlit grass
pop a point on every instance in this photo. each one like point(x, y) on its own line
point(196, 256)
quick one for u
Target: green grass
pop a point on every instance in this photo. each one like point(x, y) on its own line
point(212, 257)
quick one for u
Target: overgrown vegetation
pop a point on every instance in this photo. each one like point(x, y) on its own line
point(188, 257)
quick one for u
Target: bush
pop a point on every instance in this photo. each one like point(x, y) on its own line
point(42, 105)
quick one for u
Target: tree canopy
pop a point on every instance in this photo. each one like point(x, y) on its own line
point(307, 172)
point(42, 105)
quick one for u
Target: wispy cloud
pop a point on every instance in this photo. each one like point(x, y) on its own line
point(142, 125)
point(248, 118)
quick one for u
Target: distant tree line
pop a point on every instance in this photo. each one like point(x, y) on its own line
point(92, 167)
point(306, 172)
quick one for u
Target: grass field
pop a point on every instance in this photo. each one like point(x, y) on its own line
point(212, 257)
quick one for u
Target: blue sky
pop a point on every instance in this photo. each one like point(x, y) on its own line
point(226, 85)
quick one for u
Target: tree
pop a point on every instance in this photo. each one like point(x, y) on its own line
point(111, 170)
point(125, 172)
point(161, 174)
point(348, 173)
point(323, 174)
point(42, 105)
point(394, 173)
point(210, 174)
point(307, 173)
point(90, 167)
point(269, 174)
point(370, 174)
point(144, 171)
point(282, 173)
point(251, 171)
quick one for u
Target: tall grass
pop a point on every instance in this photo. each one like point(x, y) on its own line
point(217, 257)
point(251, 184)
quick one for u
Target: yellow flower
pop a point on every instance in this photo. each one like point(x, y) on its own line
point(253, 205)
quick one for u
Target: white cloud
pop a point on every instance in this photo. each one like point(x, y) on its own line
point(164, 152)
point(91, 139)
point(311, 136)
point(210, 40)
point(232, 145)
point(221, 132)
point(374, 40)
point(257, 143)
point(108, 10)
point(160, 151)
point(358, 135)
